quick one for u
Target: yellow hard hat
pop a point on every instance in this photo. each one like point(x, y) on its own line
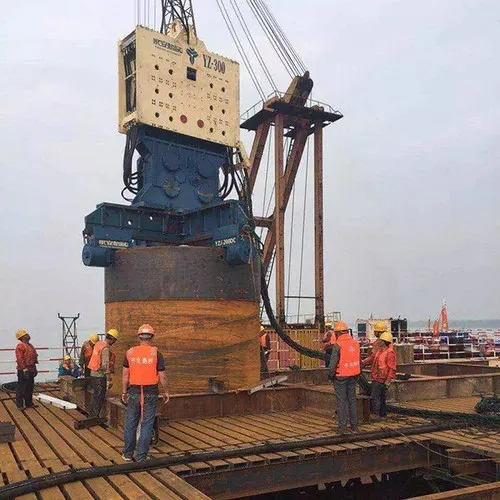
point(262, 328)
point(94, 337)
point(21, 333)
point(387, 336)
point(113, 333)
point(328, 324)
point(380, 326)
point(67, 357)
point(340, 326)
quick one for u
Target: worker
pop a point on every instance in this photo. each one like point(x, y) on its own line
point(102, 366)
point(68, 367)
point(328, 339)
point(27, 359)
point(86, 353)
point(143, 366)
point(345, 366)
point(265, 342)
point(265, 349)
point(378, 329)
point(383, 371)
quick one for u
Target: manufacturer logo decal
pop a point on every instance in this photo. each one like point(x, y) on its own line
point(192, 54)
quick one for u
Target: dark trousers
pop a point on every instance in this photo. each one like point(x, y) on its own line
point(328, 352)
point(24, 391)
point(345, 393)
point(378, 403)
point(99, 387)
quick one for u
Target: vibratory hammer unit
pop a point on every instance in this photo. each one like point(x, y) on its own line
point(179, 108)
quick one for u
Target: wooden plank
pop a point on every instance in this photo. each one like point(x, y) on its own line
point(29, 438)
point(177, 485)
point(183, 427)
point(200, 426)
point(256, 432)
point(236, 426)
point(237, 462)
point(182, 437)
point(241, 438)
point(73, 490)
point(288, 422)
point(153, 487)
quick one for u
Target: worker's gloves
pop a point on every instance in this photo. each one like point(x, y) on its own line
point(387, 384)
point(109, 384)
point(124, 399)
point(166, 398)
point(26, 373)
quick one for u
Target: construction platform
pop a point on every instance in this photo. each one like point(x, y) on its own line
point(273, 440)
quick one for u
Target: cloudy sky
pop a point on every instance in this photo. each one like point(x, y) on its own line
point(411, 172)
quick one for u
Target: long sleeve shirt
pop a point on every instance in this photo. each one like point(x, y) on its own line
point(26, 356)
point(380, 373)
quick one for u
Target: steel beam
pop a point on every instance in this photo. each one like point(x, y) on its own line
point(280, 475)
point(279, 220)
point(259, 143)
point(290, 174)
point(318, 227)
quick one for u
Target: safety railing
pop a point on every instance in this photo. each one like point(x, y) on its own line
point(253, 110)
point(49, 359)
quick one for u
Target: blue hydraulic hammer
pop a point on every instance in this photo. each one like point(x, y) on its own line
point(178, 200)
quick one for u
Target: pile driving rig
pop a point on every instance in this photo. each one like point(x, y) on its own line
point(179, 108)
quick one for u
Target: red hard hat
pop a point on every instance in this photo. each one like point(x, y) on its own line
point(146, 330)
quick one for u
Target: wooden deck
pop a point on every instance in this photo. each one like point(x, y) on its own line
point(46, 442)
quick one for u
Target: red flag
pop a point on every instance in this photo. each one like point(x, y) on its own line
point(435, 329)
point(444, 317)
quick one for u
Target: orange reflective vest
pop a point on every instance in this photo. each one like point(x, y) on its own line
point(349, 362)
point(95, 360)
point(143, 365)
point(263, 340)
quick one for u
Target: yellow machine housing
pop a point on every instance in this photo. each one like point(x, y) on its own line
point(167, 83)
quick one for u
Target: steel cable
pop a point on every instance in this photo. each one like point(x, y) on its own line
point(239, 46)
point(252, 43)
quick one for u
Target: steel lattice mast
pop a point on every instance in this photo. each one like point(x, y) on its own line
point(178, 10)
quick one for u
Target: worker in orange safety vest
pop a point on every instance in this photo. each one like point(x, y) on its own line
point(143, 367)
point(102, 366)
point(86, 353)
point(265, 349)
point(345, 366)
point(383, 371)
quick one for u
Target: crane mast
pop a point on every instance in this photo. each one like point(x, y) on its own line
point(178, 11)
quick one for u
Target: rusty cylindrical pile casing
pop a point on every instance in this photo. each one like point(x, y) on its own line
point(205, 313)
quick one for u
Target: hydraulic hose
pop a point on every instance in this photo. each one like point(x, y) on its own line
point(362, 381)
point(60, 478)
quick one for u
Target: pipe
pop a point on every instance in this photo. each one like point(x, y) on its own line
point(60, 478)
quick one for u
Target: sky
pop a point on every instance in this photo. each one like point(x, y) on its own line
point(411, 171)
